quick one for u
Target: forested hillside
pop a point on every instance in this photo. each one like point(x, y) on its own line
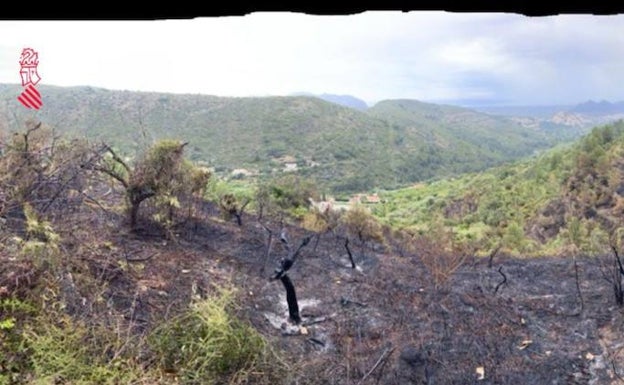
point(344, 150)
point(569, 197)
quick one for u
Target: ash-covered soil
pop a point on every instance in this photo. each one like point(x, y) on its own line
point(514, 321)
point(505, 321)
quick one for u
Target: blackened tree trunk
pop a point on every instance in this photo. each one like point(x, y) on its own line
point(137, 195)
point(134, 212)
point(280, 273)
point(291, 299)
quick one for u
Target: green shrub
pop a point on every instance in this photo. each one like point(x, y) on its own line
point(62, 350)
point(206, 344)
point(161, 172)
point(287, 195)
point(13, 356)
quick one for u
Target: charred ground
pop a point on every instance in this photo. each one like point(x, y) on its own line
point(530, 329)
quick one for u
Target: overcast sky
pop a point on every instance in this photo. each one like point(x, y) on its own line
point(490, 58)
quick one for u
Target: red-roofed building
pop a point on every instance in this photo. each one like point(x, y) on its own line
point(373, 198)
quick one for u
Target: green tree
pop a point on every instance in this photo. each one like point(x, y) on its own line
point(514, 237)
point(287, 196)
point(162, 172)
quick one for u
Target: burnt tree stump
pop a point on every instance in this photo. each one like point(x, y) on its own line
point(281, 274)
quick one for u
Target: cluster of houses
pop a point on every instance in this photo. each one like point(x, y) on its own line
point(332, 204)
point(289, 164)
point(364, 198)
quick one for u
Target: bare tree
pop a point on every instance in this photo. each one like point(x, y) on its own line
point(360, 224)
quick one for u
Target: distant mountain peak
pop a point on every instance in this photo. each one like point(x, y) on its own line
point(602, 107)
point(343, 100)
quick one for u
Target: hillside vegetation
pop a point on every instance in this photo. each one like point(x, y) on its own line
point(569, 198)
point(344, 150)
point(465, 133)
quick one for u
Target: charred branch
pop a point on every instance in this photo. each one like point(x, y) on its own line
point(26, 149)
point(108, 170)
point(492, 255)
point(65, 185)
point(239, 213)
point(346, 245)
point(297, 252)
point(382, 359)
point(501, 283)
point(232, 208)
point(345, 302)
point(618, 260)
point(288, 262)
point(117, 158)
point(316, 341)
point(318, 320)
point(615, 277)
point(578, 285)
point(112, 174)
